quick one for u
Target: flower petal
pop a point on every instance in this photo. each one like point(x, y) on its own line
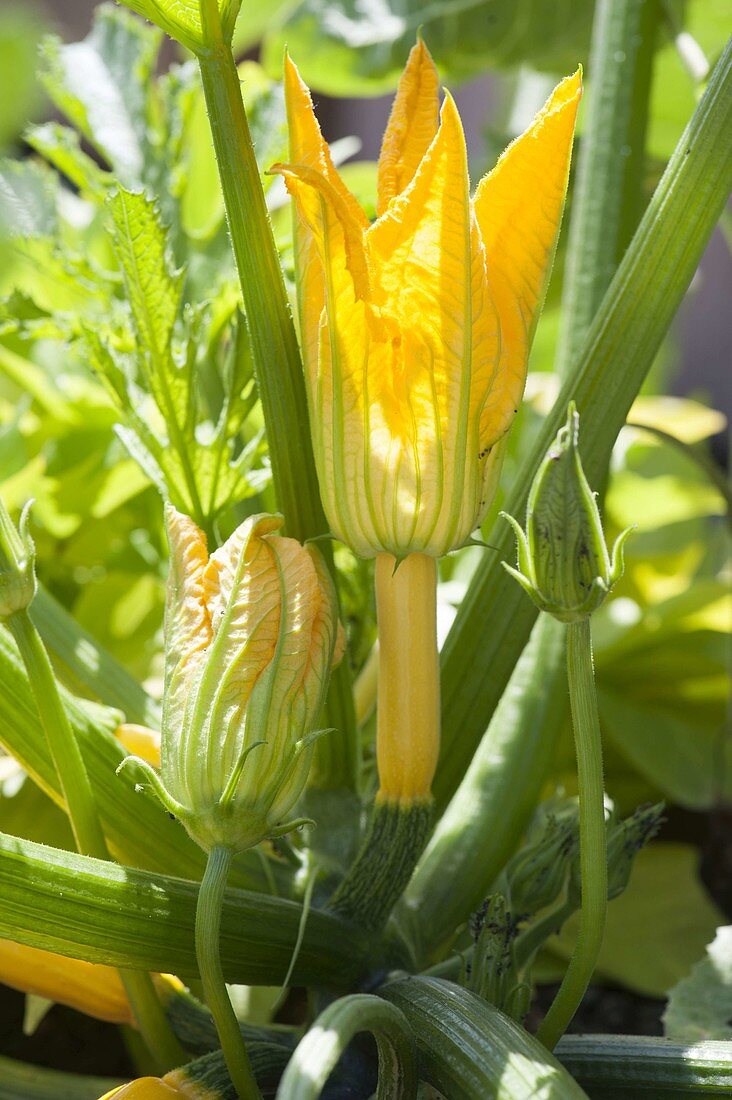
point(187, 622)
point(428, 270)
point(308, 148)
point(412, 125)
point(519, 209)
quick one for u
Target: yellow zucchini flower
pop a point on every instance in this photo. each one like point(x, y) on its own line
point(250, 634)
point(416, 329)
point(87, 987)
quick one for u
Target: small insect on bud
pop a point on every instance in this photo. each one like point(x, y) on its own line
point(17, 563)
point(563, 559)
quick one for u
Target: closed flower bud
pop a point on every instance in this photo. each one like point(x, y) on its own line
point(563, 560)
point(250, 633)
point(538, 872)
point(17, 563)
point(416, 329)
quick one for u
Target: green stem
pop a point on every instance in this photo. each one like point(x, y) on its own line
point(613, 138)
point(529, 942)
point(628, 1065)
point(208, 953)
point(276, 355)
point(319, 1052)
point(620, 348)
point(593, 842)
point(88, 834)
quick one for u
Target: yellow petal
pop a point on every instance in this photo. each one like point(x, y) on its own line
point(88, 987)
point(140, 741)
point(308, 149)
point(412, 125)
point(144, 1088)
point(519, 209)
point(428, 266)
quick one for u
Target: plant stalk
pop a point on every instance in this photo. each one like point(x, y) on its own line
point(592, 834)
point(616, 355)
point(85, 824)
point(276, 355)
point(208, 953)
point(609, 172)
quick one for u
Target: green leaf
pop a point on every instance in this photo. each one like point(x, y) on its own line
point(99, 911)
point(657, 928)
point(663, 694)
point(22, 1081)
point(27, 812)
point(181, 19)
point(27, 200)
point(102, 86)
point(130, 818)
point(20, 26)
point(700, 1005)
point(619, 350)
point(358, 47)
point(60, 146)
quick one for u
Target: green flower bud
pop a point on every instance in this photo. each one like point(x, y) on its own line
point(625, 838)
point(563, 560)
point(17, 563)
point(250, 633)
point(538, 872)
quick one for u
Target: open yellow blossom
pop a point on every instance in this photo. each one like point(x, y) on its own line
point(416, 328)
point(250, 634)
point(88, 987)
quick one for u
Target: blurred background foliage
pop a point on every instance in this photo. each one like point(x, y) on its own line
point(98, 410)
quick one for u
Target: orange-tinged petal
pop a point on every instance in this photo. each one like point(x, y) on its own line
point(519, 209)
point(187, 621)
point(428, 264)
point(412, 125)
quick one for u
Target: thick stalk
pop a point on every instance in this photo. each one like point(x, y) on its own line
point(592, 834)
point(319, 1052)
point(612, 143)
point(619, 350)
point(484, 822)
point(276, 357)
point(208, 953)
point(408, 699)
point(82, 811)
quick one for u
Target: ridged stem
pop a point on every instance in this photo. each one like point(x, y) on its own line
point(208, 953)
point(85, 824)
point(609, 165)
point(276, 358)
point(616, 355)
point(592, 834)
point(319, 1052)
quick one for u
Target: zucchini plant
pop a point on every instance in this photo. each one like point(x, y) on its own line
point(275, 712)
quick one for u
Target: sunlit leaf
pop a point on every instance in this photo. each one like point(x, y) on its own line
point(700, 1005)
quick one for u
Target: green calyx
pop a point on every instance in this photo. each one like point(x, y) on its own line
point(564, 564)
point(395, 840)
point(17, 563)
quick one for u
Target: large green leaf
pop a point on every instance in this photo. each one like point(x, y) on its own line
point(102, 86)
point(358, 47)
point(99, 911)
point(657, 929)
point(700, 1005)
point(181, 19)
